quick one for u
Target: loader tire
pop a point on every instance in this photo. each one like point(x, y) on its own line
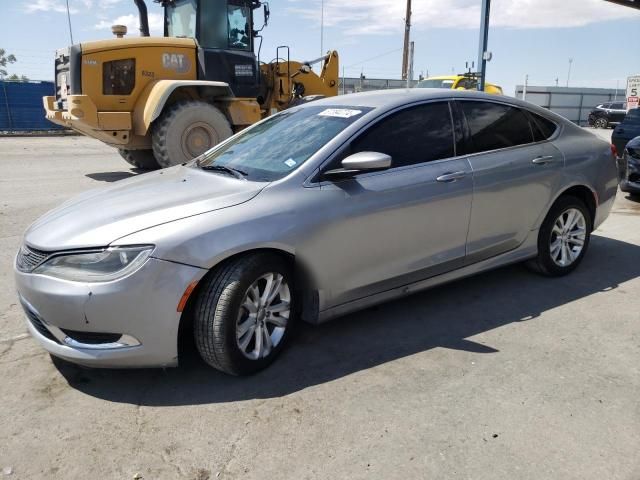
point(187, 129)
point(142, 159)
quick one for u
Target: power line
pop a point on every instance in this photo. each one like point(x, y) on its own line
point(374, 58)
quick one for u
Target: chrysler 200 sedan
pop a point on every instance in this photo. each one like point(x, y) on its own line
point(323, 209)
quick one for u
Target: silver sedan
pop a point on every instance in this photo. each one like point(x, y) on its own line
point(323, 209)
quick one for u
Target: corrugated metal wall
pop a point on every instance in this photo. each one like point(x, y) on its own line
point(355, 84)
point(21, 106)
point(572, 103)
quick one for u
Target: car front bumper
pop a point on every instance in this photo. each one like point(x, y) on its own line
point(630, 182)
point(131, 322)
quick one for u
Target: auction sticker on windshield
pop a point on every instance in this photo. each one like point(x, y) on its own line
point(339, 112)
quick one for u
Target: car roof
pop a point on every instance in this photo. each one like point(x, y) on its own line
point(444, 77)
point(385, 100)
point(392, 98)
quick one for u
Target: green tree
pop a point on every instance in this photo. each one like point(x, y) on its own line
point(5, 59)
point(17, 78)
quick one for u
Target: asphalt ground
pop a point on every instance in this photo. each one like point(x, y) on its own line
point(506, 375)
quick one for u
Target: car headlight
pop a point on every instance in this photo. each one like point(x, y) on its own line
point(96, 266)
point(119, 77)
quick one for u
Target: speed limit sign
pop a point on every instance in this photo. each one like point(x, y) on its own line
point(633, 92)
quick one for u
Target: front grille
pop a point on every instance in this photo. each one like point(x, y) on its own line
point(38, 324)
point(29, 258)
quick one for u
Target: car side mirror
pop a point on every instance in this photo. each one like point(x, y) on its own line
point(360, 162)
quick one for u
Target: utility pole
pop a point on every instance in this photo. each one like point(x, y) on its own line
point(407, 34)
point(569, 73)
point(483, 54)
point(410, 76)
point(322, 28)
point(524, 89)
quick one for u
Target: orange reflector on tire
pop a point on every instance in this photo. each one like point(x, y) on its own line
point(185, 296)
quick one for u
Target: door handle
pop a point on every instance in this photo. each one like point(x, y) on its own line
point(542, 160)
point(451, 177)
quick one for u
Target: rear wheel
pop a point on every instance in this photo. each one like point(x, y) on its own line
point(244, 314)
point(187, 129)
point(142, 159)
point(563, 238)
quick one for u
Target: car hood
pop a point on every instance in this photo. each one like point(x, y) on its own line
point(98, 217)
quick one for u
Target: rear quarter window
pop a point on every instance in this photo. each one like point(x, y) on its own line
point(543, 128)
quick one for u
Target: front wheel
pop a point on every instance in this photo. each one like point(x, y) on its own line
point(601, 123)
point(563, 238)
point(244, 314)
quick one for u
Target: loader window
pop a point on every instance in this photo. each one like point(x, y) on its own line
point(213, 24)
point(225, 26)
point(239, 30)
point(181, 19)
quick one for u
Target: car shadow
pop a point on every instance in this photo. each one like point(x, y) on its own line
point(445, 317)
point(114, 176)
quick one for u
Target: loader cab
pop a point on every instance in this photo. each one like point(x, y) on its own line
point(225, 34)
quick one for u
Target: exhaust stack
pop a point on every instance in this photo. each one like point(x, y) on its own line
point(144, 18)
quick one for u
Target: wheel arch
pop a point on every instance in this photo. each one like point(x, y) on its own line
point(579, 190)
point(159, 94)
point(304, 286)
point(584, 193)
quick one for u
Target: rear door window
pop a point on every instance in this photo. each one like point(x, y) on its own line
point(414, 135)
point(493, 126)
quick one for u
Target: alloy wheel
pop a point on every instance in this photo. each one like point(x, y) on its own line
point(568, 237)
point(263, 316)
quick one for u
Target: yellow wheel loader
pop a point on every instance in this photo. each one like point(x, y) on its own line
point(162, 101)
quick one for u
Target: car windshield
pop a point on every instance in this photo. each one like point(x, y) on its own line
point(436, 83)
point(274, 148)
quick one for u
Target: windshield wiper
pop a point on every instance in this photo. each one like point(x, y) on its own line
point(224, 169)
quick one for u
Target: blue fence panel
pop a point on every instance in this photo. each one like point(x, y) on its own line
point(21, 106)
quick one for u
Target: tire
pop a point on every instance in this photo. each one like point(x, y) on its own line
point(601, 123)
point(142, 159)
point(549, 260)
point(221, 316)
point(187, 129)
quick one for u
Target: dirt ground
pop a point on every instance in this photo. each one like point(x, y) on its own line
point(506, 375)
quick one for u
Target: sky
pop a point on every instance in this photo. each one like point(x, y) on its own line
point(528, 37)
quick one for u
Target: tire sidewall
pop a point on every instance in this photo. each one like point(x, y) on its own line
point(171, 126)
point(228, 313)
point(544, 238)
